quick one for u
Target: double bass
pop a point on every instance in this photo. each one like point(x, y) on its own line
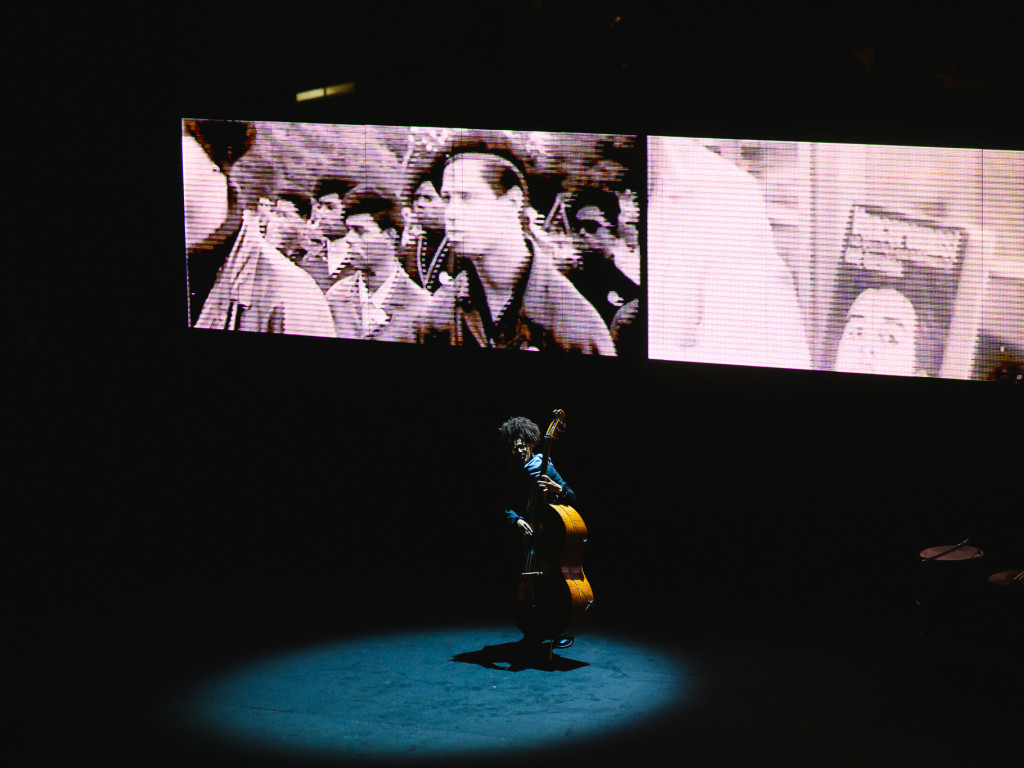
point(554, 597)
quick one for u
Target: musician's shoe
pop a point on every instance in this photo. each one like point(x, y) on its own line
point(561, 642)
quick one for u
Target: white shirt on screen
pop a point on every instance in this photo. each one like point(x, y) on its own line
point(259, 290)
point(368, 308)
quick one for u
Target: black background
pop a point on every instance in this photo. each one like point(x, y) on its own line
point(168, 478)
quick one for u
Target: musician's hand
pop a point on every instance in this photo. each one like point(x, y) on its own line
point(548, 485)
point(525, 527)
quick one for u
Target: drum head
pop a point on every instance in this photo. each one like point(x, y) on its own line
point(948, 553)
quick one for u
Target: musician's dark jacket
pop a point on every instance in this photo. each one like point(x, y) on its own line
point(521, 485)
point(546, 313)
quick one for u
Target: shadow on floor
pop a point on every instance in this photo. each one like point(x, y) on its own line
point(515, 657)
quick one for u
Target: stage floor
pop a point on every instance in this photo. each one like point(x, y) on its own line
point(203, 687)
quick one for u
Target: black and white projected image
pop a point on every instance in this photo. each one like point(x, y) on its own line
point(895, 287)
point(854, 258)
point(501, 239)
point(928, 269)
point(719, 290)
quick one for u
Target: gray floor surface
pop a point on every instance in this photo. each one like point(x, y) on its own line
point(233, 687)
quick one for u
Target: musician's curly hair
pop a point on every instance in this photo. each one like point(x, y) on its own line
point(519, 428)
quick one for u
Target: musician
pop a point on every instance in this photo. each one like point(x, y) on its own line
point(521, 437)
point(509, 294)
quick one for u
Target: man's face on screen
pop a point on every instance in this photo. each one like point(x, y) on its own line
point(369, 246)
point(476, 219)
point(428, 206)
point(593, 231)
point(329, 216)
point(264, 213)
point(286, 229)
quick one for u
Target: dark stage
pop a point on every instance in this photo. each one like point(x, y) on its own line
point(296, 589)
point(245, 549)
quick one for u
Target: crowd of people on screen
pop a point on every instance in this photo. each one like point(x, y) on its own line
point(463, 259)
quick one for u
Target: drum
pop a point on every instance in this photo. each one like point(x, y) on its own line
point(950, 584)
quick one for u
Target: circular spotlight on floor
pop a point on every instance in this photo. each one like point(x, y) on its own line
point(438, 693)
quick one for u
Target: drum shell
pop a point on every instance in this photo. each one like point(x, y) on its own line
point(951, 593)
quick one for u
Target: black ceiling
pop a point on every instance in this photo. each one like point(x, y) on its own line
point(883, 72)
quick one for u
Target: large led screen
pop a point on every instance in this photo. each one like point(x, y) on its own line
point(869, 259)
point(501, 239)
point(854, 258)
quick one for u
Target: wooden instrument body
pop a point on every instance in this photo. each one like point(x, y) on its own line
point(554, 596)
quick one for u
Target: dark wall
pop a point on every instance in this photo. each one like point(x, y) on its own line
point(791, 489)
point(260, 474)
